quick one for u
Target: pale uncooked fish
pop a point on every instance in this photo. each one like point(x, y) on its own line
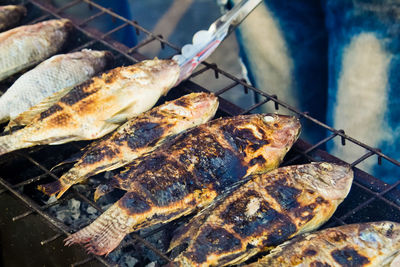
point(25, 46)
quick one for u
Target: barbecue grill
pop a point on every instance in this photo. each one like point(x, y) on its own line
point(20, 172)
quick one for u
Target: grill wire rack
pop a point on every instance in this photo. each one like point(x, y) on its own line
point(369, 200)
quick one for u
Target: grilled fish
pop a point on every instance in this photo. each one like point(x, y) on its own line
point(25, 46)
point(188, 172)
point(47, 80)
point(98, 106)
point(138, 136)
point(372, 244)
point(263, 213)
point(10, 15)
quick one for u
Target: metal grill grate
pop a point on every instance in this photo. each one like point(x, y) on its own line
point(369, 199)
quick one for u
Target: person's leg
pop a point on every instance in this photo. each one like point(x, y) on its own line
point(284, 47)
point(364, 85)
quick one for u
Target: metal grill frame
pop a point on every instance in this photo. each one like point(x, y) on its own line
point(376, 189)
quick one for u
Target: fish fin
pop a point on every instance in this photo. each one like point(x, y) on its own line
point(106, 232)
point(74, 158)
point(118, 119)
point(51, 189)
point(102, 190)
point(68, 179)
point(185, 233)
point(26, 117)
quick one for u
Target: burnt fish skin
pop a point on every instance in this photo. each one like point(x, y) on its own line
point(188, 172)
point(263, 213)
point(47, 80)
point(10, 15)
point(97, 106)
point(136, 137)
point(25, 46)
point(372, 244)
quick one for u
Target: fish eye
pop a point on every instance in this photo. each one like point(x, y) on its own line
point(269, 118)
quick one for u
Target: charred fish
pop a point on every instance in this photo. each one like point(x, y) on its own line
point(188, 173)
point(373, 244)
point(263, 213)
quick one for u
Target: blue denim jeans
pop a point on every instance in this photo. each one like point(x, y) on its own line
point(340, 61)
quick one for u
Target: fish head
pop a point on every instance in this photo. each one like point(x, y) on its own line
point(101, 59)
point(164, 72)
point(283, 129)
point(61, 24)
point(331, 181)
point(281, 132)
point(195, 107)
point(389, 234)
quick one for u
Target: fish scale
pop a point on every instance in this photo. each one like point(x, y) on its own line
point(25, 46)
point(47, 80)
point(187, 173)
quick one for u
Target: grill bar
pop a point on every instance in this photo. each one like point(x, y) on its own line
point(375, 189)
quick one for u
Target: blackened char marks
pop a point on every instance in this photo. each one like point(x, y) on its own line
point(263, 221)
point(135, 203)
point(78, 93)
point(216, 164)
point(239, 139)
point(319, 264)
point(182, 102)
point(309, 252)
point(144, 133)
point(210, 161)
point(53, 109)
point(258, 160)
point(167, 181)
point(349, 257)
point(284, 194)
point(98, 154)
point(212, 241)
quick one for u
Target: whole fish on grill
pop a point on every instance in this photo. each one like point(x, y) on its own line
point(47, 80)
point(373, 244)
point(10, 15)
point(97, 106)
point(136, 137)
point(266, 211)
point(188, 172)
point(25, 46)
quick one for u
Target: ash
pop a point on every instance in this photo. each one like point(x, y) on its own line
point(76, 214)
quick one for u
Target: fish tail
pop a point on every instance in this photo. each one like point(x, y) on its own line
point(53, 188)
point(60, 186)
point(13, 142)
point(105, 233)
